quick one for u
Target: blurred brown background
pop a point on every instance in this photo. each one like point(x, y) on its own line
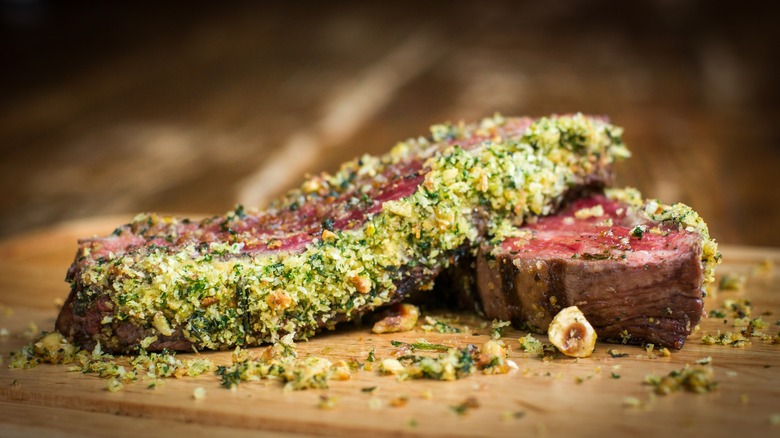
point(192, 107)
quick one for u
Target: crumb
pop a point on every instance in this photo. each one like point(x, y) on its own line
point(327, 402)
point(735, 282)
point(512, 415)
point(632, 402)
point(464, 407)
point(199, 393)
point(114, 385)
point(399, 401)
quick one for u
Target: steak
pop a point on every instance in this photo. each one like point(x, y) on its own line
point(334, 249)
point(636, 269)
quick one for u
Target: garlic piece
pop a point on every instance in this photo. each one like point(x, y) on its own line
point(571, 333)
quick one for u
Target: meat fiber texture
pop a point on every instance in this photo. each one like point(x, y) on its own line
point(337, 247)
point(636, 269)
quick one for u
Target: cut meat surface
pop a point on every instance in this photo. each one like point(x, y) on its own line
point(339, 246)
point(636, 279)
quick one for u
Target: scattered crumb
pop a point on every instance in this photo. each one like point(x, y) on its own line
point(497, 328)
point(32, 331)
point(427, 394)
point(704, 360)
point(766, 267)
point(374, 403)
point(464, 407)
point(114, 385)
point(199, 393)
point(512, 415)
point(412, 423)
point(327, 402)
point(774, 419)
point(735, 282)
point(698, 379)
point(530, 344)
point(740, 307)
point(398, 402)
point(717, 313)
point(736, 340)
point(7, 311)
point(435, 325)
point(743, 398)
point(632, 402)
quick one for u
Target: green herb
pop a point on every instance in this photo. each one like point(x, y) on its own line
point(421, 344)
point(614, 375)
point(328, 224)
point(717, 313)
point(371, 356)
point(596, 256)
point(615, 353)
point(438, 326)
point(497, 328)
point(368, 389)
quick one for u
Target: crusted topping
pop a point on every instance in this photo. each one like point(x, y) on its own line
point(339, 242)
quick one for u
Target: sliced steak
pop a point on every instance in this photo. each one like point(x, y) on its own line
point(339, 246)
point(637, 280)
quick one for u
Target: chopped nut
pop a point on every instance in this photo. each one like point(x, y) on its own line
point(278, 300)
point(208, 301)
point(392, 366)
point(328, 236)
point(571, 333)
point(161, 324)
point(399, 318)
point(362, 284)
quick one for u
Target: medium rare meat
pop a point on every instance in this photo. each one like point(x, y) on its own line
point(636, 270)
point(339, 246)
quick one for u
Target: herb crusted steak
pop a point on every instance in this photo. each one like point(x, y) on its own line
point(636, 269)
point(339, 246)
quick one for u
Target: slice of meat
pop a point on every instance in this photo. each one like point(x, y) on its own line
point(339, 246)
point(636, 271)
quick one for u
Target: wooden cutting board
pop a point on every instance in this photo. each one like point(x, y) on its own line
point(557, 398)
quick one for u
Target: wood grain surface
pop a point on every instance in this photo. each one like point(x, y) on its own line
point(563, 397)
point(194, 106)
